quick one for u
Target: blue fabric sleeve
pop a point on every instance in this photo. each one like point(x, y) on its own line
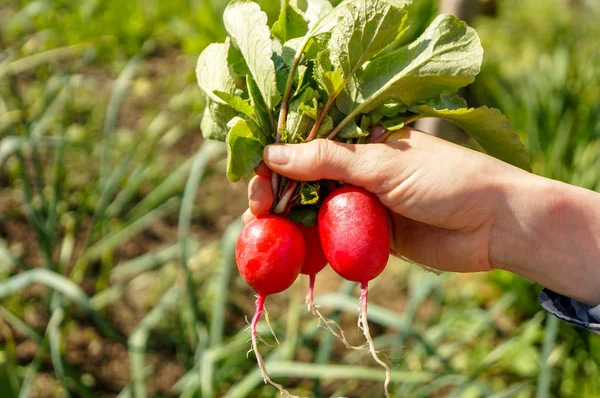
point(571, 311)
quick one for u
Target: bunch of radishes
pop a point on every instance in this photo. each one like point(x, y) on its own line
point(351, 234)
point(333, 73)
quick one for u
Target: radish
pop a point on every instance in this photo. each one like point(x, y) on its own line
point(315, 258)
point(355, 236)
point(315, 261)
point(270, 252)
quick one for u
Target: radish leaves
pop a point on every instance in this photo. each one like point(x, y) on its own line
point(488, 126)
point(247, 26)
point(340, 71)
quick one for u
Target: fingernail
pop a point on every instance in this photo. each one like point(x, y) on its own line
point(277, 154)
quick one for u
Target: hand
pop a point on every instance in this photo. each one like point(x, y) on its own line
point(443, 199)
point(455, 209)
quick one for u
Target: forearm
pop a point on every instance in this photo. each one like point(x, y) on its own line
point(549, 232)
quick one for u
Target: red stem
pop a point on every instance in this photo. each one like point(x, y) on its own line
point(286, 196)
point(260, 305)
point(311, 288)
point(364, 296)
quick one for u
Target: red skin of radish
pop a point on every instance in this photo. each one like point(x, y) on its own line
point(354, 233)
point(270, 252)
point(315, 259)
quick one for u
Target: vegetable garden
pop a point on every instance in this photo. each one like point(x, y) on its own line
point(118, 225)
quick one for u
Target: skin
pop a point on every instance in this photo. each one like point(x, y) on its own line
point(458, 210)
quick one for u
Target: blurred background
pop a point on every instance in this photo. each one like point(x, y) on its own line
point(117, 224)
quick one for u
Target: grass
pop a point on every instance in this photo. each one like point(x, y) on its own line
point(117, 226)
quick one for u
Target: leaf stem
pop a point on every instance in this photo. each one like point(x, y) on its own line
point(276, 178)
point(355, 112)
point(286, 196)
point(313, 132)
point(344, 122)
point(413, 118)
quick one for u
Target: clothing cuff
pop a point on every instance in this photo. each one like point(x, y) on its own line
point(570, 310)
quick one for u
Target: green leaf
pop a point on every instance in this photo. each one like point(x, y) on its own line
point(282, 69)
point(309, 194)
point(301, 115)
point(316, 10)
point(352, 130)
point(245, 144)
point(322, 19)
point(302, 72)
point(238, 103)
point(326, 126)
point(445, 58)
point(489, 127)
point(215, 119)
point(247, 26)
point(260, 108)
point(449, 102)
point(311, 110)
point(212, 71)
point(290, 24)
point(362, 30)
point(306, 215)
point(330, 80)
point(393, 124)
point(237, 63)
point(393, 108)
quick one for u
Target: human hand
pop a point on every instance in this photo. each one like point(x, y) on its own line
point(443, 198)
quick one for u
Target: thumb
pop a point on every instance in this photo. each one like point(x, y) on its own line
point(324, 159)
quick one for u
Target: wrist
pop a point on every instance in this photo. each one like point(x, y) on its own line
point(549, 232)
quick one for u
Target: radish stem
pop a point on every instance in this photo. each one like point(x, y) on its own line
point(286, 196)
point(260, 305)
point(275, 178)
point(327, 322)
point(364, 325)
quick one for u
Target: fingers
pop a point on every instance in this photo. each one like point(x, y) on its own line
point(260, 197)
point(247, 216)
point(262, 170)
point(323, 159)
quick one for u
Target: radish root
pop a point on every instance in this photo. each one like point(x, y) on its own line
point(363, 324)
point(260, 305)
point(269, 325)
point(327, 322)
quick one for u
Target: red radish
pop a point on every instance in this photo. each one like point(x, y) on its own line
point(315, 261)
point(270, 252)
point(355, 236)
point(315, 258)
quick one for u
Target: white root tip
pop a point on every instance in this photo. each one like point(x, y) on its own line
point(270, 327)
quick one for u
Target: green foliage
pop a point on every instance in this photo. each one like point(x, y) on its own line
point(247, 27)
point(290, 24)
point(345, 49)
point(212, 72)
point(445, 58)
point(363, 29)
point(489, 127)
point(247, 141)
